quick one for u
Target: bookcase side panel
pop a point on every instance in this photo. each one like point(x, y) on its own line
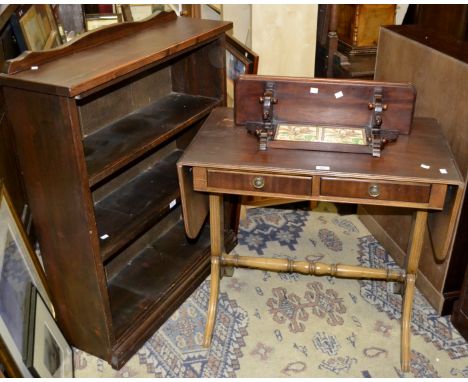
point(52, 162)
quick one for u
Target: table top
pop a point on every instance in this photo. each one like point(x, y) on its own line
point(418, 157)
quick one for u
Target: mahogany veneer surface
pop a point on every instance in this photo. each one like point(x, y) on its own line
point(220, 141)
point(104, 62)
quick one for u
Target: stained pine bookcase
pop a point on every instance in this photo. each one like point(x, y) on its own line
point(99, 125)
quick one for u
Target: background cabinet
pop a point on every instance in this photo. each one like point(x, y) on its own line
point(449, 20)
point(436, 65)
point(347, 37)
point(99, 126)
point(358, 26)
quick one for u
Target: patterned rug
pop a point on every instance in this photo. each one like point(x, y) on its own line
point(289, 325)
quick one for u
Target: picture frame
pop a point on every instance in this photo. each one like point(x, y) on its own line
point(243, 53)
point(46, 353)
point(8, 366)
point(98, 20)
point(239, 60)
point(39, 27)
point(70, 20)
point(19, 267)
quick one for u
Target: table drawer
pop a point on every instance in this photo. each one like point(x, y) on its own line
point(257, 182)
point(363, 189)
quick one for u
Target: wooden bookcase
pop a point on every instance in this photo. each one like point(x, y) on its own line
point(99, 126)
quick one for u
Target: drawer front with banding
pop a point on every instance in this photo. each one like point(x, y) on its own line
point(261, 183)
point(378, 190)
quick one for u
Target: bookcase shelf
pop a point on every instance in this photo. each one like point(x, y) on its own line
point(137, 205)
point(153, 275)
point(117, 144)
point(99, 128)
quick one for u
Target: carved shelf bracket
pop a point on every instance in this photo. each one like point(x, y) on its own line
point(378, 137)
point(266, 129)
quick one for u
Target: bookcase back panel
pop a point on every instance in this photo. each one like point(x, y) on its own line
point(116, 264)
point(103, 189)
point(111, 104)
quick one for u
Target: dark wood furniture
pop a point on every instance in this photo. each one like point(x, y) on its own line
point(310, 106)
point(447, 19)
point(358, 26)
point(9, 170)
point(356, 67)
point(99, 126)
point(327, 40)
point(438, 67)
point(347, 36)
point(223, 160)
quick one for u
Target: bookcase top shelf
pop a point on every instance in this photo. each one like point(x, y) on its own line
point(108, 53)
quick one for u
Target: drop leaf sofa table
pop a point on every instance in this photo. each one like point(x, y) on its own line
point(416, 171)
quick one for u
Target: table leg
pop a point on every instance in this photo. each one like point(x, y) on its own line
point(217, 247)
point(419, 228)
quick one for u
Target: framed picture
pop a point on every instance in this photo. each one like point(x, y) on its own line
point(8, 367)
point(19, 268)
point(239, 60)
point(242, 53)
point(46, 352)
point(39, 27)
point(94, 21)
point(70, 20)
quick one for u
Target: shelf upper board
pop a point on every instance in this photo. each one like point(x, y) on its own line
point(72, 74)
point(138, 205)
point(117, 144)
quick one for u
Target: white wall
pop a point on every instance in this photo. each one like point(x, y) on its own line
point(241, 16)
point(283, 35)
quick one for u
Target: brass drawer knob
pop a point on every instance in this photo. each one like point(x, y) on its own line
point(258, 182)
point(374, 190)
